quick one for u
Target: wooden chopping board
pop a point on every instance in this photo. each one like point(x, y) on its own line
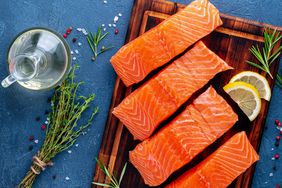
point(231, 42)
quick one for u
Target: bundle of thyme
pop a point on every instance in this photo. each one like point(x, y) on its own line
point(63, 129)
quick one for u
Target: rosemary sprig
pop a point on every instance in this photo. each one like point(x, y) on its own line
point(63, 129)
point(114, 182)
point(279, 80)
point(94, 40)
point(267, 56)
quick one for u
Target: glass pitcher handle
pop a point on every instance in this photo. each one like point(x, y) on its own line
point(8, 81)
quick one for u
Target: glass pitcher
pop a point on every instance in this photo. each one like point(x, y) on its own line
point(38, 59)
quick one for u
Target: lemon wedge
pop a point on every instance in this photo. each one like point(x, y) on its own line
point(256, 80)
point(246, 96)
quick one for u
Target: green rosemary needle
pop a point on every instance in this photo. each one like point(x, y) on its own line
point(267, 56)
point(114, 181)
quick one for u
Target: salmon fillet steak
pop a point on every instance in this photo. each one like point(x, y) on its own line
point(198, 126)
point(144, 109)
point(134, 61)
point(222, 167)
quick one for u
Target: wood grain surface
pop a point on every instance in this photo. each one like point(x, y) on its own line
point(231, 42)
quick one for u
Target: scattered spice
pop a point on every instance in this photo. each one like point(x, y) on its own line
point(31, 138)
point(116, 31)
point(276, 144)
point(54, 177)
point(43, 127)
point(37, 118)
point(30, 148)
point(74, 40)
point(36, 141)
point(278, 138)
point(67, 178)
point(46, 112)
point(277, 156)
point(65, 35)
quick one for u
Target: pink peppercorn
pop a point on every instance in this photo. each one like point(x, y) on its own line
point(277, 186)
point(43, 127)
point(68, 31)
point(276, 144)
point(281, 132)
point(279, 124)
point(31, 138)
point(276, 156)
point(278, 138)
point(116, 31)
point(65, 35)
point(277, 121)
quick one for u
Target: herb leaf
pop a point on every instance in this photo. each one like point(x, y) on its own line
point(267, 56)
point(114, 182)
point(94, 40)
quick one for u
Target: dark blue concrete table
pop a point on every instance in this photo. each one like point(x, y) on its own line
point(19, 107)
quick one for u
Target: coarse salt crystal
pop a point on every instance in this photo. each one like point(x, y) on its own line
point(76, 51)
point(48, 118)
point(115, 19)
point(114, 25)
point(74, 58)
point(272, 158)
point(67, 178)
point(272, 149)
point(105, 2)
point(36, 141)
point(69, 151)
point(79, 44)
point(79, 29)
point(119, 14)
point(76, 145)
point(104, 29)
point(271, 174)
point(110, 25)
point(103, 25)
point(71, 52)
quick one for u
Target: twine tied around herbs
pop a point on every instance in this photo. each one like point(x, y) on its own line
point(40, 163)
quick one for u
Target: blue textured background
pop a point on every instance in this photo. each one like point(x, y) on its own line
point(19, 107)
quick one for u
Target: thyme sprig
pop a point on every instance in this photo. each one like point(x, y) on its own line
point(63, 129)
point(267, 56)
point(114, 181)
point(94, 40)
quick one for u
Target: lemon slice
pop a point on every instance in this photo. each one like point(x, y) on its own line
point(246, 96)
point(255, 79)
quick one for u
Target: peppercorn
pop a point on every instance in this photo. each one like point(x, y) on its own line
point(116, 31)
point(277, 121)
point(43, 127)
point(277, 144)
point(276, 156)
point(37, 118)
point(31, 138)
point(74, 40)
point(30, 147)
point(65, 35)
point(278, 138)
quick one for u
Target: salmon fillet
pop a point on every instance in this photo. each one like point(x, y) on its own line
point(222, 167)
point(199, 125)
point(134, 61)
point(144, 109)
